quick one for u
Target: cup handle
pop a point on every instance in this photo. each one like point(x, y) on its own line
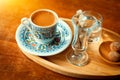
point(25, 21)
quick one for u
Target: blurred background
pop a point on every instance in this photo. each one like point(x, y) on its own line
point(11, 12)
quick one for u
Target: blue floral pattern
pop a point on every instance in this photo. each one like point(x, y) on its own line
point(61, 41)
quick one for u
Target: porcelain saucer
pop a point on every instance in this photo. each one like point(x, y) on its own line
point(27, 43)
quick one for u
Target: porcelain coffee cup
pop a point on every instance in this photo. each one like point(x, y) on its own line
point(42, 25)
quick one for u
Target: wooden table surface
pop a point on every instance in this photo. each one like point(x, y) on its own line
point(14, 65)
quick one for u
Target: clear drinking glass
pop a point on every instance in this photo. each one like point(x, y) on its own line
point(96, 33)
point(83, 27)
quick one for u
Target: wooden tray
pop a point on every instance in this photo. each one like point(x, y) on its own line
point(96, 68)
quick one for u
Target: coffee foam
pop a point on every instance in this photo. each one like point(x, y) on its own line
point(43, 18)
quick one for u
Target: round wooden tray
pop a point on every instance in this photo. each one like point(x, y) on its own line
point(96, 68)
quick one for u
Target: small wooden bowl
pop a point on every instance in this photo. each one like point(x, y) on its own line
point(104, 50)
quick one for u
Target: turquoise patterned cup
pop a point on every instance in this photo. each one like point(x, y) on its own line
point(42, 25)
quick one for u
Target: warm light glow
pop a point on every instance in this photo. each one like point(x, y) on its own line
point(8, 1)
point(11, 2)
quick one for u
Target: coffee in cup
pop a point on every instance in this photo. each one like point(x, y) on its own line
point(42, 25)
point(43, 18)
